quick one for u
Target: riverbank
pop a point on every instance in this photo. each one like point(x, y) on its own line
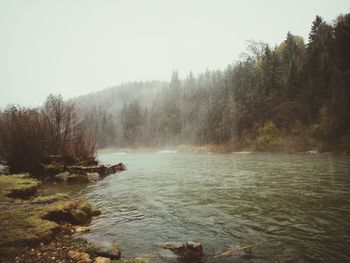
point(268, 144)
point(38, 228)
point(286, 144)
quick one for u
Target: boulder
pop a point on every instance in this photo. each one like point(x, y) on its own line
point(93, 176)
point(79, 173)
point(103, 170)
point(82, 229)
point(185, 250)
point(113, 254)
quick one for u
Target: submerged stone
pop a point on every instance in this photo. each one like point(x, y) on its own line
point(186, 250)
point(113, 254)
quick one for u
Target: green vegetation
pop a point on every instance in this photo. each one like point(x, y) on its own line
point(49, 199)
point(18, 185)
point(269, 138)
point(28, 222)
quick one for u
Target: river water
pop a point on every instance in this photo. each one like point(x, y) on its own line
point(293, 207)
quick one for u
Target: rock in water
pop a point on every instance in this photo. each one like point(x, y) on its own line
point(113, 254)
point(93, 176)
point(186, 250)
point(82, 229)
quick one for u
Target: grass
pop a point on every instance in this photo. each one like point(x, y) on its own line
point(22, 226)
point(26, 222)
point(18, 186)
point(49, 199)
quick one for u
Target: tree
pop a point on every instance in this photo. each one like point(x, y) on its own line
point(28, 137)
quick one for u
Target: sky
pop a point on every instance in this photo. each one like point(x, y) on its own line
point(75, 47)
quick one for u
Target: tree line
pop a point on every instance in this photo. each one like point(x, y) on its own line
point(293, 95)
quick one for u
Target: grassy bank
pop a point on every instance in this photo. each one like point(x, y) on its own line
point(39, 228)
point(269, 138)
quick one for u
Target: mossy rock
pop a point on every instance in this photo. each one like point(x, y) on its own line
point(92, 249)
point(28, 223)
point(18, 186)
point(77, 212)
point(95, 212)
point(32, 224)
point(80, 217)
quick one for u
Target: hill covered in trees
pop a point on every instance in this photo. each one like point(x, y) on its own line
point(294, 96)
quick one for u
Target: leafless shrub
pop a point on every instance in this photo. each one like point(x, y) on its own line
point(28, 137)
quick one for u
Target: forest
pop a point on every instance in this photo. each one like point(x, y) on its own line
point(291, 97)
point(114, 175)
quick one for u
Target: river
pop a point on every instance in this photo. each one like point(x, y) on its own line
point(290, 206)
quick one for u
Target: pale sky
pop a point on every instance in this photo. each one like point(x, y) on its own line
point(76, 47)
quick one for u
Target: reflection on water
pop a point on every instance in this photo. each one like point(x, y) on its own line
point(294, 206)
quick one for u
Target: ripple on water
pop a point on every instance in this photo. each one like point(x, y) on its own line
point(293, 205)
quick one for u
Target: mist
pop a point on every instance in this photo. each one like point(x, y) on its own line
point(78, 47)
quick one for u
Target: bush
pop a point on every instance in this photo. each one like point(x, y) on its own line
point(28, 137)
point(23, 139)
point(269, 138)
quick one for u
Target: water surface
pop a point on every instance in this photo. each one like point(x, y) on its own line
point(293, 206)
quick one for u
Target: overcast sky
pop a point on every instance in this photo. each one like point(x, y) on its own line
point(76, 47)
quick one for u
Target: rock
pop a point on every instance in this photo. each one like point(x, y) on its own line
point(18, 186)
point(79, 256)
point(115, 168)
point(95, 212)
point(80, 217)
point(102, 260)
point(113, 254)
point(93, 176)
point(103, 170)
point(82, 229)
point(62, 177)
point(186, 250)
point(77, 178)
